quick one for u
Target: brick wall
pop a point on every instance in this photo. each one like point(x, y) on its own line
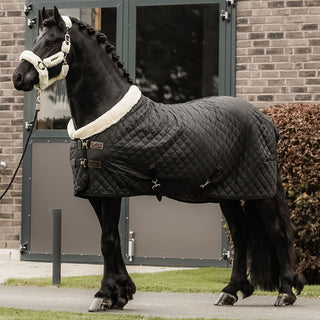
point(11, 119)
point(278, 51)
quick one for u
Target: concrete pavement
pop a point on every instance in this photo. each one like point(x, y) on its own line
point(168, 305)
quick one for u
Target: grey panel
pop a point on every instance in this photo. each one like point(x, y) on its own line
point(52, 188)
point(173, 229)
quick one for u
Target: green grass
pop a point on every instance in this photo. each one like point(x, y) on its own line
point(18, 314)
point(211, 280)
point(311, 291)
point(194, 280)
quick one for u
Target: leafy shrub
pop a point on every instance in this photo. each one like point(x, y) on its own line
point(299, 161)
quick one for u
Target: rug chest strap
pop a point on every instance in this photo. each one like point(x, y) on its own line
point(86, 144)
point(85, 163)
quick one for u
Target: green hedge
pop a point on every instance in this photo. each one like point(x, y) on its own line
point(299, 160)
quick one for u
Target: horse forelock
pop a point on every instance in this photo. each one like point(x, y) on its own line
point(50, 22)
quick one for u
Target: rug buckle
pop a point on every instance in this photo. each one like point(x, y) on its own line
point(83, 163)
point(83, 144)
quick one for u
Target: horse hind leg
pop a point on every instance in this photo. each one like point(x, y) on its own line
point(237, 223)
point(275, 216)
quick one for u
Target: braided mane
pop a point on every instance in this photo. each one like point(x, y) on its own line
point(101, 38)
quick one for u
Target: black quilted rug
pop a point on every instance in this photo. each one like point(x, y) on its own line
point(204, 150)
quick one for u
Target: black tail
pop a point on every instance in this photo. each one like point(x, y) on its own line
point(262, 257)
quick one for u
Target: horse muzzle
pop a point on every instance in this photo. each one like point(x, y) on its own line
point(25, 76)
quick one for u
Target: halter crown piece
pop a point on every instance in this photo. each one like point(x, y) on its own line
point(42, 66)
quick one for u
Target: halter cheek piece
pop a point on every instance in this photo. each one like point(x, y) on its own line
point(42, 66)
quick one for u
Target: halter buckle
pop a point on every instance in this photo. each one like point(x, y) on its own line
point(41, 65)
point(67, 38)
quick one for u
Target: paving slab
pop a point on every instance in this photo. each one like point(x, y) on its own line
point(161, 304)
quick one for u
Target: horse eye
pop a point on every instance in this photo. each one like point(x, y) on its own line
point(49, 43)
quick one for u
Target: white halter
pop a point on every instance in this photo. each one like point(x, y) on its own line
point(42, 66)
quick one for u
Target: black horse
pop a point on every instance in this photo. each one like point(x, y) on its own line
point(96, 82)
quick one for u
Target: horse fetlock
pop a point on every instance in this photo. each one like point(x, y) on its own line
point(243, 285)
point(296, 280)
point(105, 300)
point(130, 289)
point(299, 283)
point(116, 292)
point(247, 289)
point(120, 303)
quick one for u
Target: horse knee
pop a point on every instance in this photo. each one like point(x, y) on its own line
point(109, 244)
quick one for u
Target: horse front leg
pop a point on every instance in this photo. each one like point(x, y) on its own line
point(237, 223)
point(116, 285)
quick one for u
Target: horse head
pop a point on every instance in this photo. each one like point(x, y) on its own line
point(48, 55)
point(96, 78)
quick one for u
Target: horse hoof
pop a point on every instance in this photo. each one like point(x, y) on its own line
point(226, 299)
point(285, 299)
point(100, 304)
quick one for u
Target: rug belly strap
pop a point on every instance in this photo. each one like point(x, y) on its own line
point(156, 186)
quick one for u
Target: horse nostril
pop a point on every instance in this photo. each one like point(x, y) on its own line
point(19, 78)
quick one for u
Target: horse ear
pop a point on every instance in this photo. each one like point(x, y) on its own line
point(44, 14)
point(57, 17)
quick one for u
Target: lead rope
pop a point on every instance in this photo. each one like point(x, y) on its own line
point(26, 145)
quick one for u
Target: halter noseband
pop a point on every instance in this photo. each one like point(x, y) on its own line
point(42, 66)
